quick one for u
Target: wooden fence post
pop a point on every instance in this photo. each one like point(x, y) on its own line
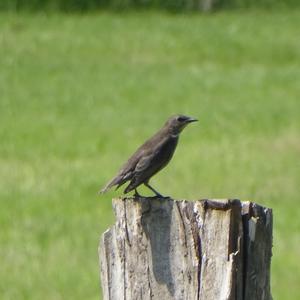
point(164, 249)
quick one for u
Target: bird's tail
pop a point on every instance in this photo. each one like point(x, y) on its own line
point(105, 189)
point(102, 191)
point(109, 185)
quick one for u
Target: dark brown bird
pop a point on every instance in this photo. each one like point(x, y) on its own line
point(151, 157)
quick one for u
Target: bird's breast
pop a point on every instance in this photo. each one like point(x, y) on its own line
point(166, 152)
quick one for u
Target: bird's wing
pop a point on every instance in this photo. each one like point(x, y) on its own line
point(144, 163)
point(151, 162)
point(140, 171)
point(158, 154)
point(140, 161)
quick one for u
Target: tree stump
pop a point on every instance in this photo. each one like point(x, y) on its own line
point(206, 250)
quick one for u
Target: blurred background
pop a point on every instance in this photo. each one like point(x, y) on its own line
point(83, 83)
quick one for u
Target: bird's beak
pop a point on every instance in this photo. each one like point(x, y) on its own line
point(190, 120)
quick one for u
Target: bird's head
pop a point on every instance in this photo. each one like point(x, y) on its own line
point(177, 123)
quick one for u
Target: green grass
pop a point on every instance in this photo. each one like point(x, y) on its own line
point(80, 92)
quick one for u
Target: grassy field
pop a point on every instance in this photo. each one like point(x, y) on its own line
point(78, 93)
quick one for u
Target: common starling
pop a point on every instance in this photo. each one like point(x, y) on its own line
point(151, 157)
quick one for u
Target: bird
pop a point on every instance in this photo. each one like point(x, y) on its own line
point(150, 157)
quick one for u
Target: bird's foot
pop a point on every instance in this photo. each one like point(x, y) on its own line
point(164, 197)
point(157, 194)
point(136, 194)
point(160, 196)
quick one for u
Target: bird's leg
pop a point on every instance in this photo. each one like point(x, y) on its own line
point(136, 194)
point(153, 190)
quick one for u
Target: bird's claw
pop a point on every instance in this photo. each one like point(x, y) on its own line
point(160, 196)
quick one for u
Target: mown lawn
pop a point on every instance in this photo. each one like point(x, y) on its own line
point(78, 93)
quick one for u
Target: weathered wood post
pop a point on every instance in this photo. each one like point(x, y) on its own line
point(165, 249)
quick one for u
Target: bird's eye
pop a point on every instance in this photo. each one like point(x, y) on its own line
point(180, 119)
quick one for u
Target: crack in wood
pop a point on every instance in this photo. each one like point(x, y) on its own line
point(149, 283)
point(124, 271)
point(126, 227)
point(182, 223)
